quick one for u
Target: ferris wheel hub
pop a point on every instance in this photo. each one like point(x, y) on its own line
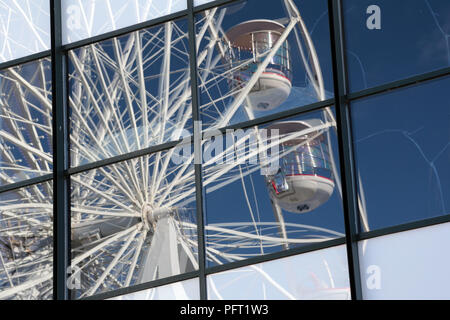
point(145, 212)
point(151, 215)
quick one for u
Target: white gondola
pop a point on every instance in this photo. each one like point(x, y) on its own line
point(304, 180)
point(251, 40)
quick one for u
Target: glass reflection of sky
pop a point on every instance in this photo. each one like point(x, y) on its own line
point(314, 14)
point(229, 205)
point(247, 199)
point(402, 145)
point(318, 275)
point(414, 38)
point(401, 139)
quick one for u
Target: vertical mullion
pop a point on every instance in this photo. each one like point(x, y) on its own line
point(344, 135)
point(61, 232)
point(197, 150)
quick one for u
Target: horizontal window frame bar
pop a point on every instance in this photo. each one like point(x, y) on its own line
point(275, 256)
point(408, 226)
point(126, 157)
point(113, 34)
point(144, 286)
point(205, 134)
point(213, 4)
point(26, 183)
point(217, 269)
point(399, 84)
point(24, 60)
point(126, 30)
point(270, 118)
point(208, 133)
point(145, 25)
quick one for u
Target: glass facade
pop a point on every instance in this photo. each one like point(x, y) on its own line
point(26, 121)
point(283, 202)
point(24, 28)
point(317, 275)
point(224, 150)
point(407, 44)
point(118, 101)
point(184, 290)
point(404, 147)
point(130, 225)
point(85, 19)
point(26, 243)
point(245, 73)
point(407, 265)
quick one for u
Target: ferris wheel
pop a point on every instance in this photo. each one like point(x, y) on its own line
point(135, 221)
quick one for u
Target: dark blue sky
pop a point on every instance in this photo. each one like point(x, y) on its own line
point(402, 138)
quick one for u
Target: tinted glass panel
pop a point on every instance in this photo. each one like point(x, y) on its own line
point(133, 222)
point(25, 122)
point(407, 265)
point(256, 60)
point(26, 243)
point(318, 275)
point(200, 2)
point(24, 28)
point(413, 38)
point(185, 290)
point(272, 188)
point(84, 19)
point(402, 152)
point(129, 93)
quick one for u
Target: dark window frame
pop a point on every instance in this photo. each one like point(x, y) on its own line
point(342, 101)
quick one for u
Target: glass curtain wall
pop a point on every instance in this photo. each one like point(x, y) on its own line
point(220, 145)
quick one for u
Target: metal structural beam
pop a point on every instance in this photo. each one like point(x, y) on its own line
point(344, 136)
point(197, 150)
point(61, 198)
point(25, 183)
point(22, 60)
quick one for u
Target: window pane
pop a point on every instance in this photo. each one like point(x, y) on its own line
point(413, 38)
point(134, 222)
point(26, 243)
point(402, 151)
point(129, 93)
point(25, 122)
point(407, 265)
point(200, 2)
point(85, 19)
point(256, 60)
point(24, 28)
point(317, 275)
point(275, 187)
point(185, 290)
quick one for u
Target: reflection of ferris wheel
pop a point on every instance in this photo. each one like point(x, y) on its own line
point(134, 221)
